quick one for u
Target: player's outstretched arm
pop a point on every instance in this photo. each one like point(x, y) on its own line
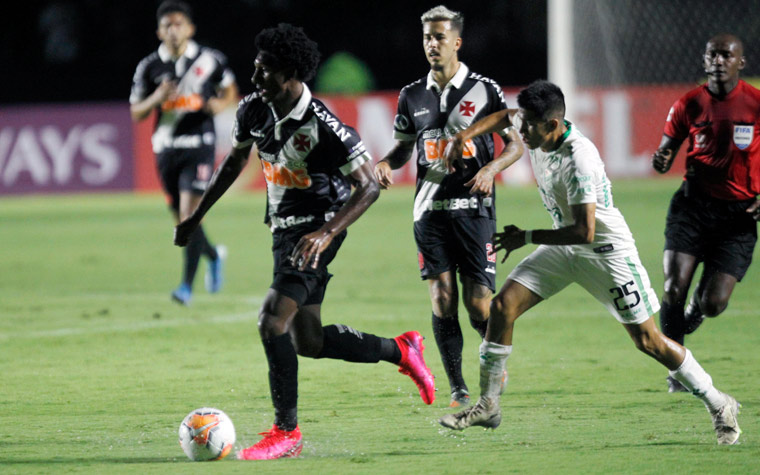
point(662, 159)
point(310, 246)
point(482, 182)
point(395, 159)
point(582, 231)
point(495, 122)
point(220, 182)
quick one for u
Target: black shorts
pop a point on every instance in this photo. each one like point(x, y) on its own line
point(185, 170)
point(306, 287)
point(719, 233)
point(464, 243)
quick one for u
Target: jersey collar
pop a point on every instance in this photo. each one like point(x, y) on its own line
point(296, 113)
point(191, 51)
point(455, 81)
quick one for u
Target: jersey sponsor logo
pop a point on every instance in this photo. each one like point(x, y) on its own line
point(467, 108)
point(284, 223)
point(280, 175)
point(400, 122)
point(189, 102)
point(259, 134)
point(434, 149)
point(452, 204)
point(331, 122)
point(422, 111)
point(743, 135)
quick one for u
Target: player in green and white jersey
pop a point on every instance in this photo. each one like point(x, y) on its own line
point(589, 244)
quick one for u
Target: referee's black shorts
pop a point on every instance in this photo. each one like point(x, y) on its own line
point(719, 233)
point(464, 243)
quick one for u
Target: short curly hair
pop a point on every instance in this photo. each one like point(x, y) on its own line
point(287, 46)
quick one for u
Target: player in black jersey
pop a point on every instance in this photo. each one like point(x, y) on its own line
point(454, 216)
point(311, 161)
point(188, 84)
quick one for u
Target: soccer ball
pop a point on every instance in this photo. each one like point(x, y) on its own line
point(206, 434)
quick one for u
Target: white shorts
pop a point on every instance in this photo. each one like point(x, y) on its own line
point(621, 284)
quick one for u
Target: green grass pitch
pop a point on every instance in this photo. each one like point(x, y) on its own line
point(98, 367)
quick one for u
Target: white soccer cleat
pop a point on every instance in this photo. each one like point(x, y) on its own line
point(486, 413)
point(725, 423)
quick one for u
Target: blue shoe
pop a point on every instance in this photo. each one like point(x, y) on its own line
point(182, 294)
point(215, 272)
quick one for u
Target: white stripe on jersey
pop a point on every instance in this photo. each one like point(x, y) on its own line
point(429, 187)
point(464, 111)
point(293, 155)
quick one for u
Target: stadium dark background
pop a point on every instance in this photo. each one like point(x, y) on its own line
point(87, 50)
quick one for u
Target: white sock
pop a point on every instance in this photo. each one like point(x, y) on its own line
point(696, 380)
point(493, 360)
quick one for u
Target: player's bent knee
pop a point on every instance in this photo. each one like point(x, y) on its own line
point(270, 326)
point(444, 306)
point(673, 293)
point(478, 309)
point(713, 307)
point(501, 308)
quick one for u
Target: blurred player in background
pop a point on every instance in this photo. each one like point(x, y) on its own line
point(712, 217)
point(454, 215)
point(188, 84)
point(589, 244)
point(310, 161)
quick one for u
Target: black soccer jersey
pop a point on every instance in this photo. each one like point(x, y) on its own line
point(200, 72)
point(430, 116)
point(306, 158)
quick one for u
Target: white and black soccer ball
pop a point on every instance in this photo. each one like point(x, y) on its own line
point(206, 434)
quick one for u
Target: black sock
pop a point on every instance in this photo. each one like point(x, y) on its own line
point(672, 321)
point(208, 249)
point(342, 342)
point(480, 326)
point(193, 252)
point(283, 380)
point(448, 336)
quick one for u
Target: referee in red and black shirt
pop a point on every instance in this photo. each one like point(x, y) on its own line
point(712, 217)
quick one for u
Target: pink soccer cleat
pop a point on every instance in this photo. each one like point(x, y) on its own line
point(413, 364)
point(277, 443)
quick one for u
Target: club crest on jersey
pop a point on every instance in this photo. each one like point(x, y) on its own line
point(467, 108)
point(743, 135)
point(301, 142)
